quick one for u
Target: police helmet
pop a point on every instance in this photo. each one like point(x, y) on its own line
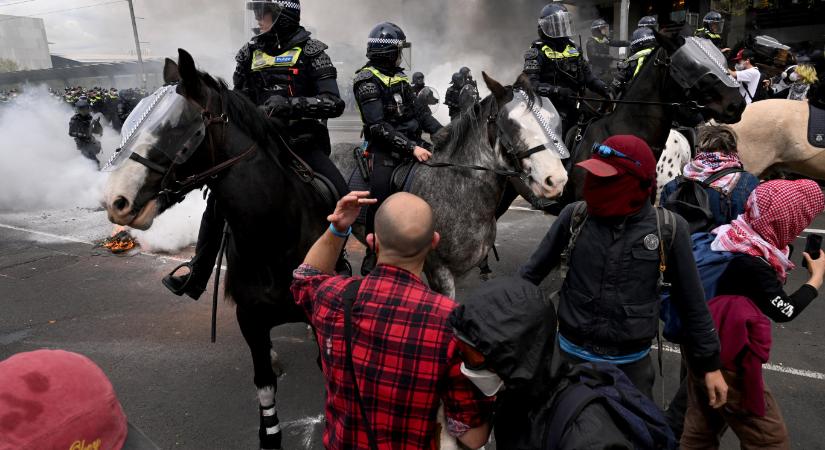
point(649, 22)
point(385, 43)
point(286, 15)
point(457, 79)
point(556, 21)
point(466, 73)
point(418, 79)
point(642, 38)
point(714, 22)
point(599, 27)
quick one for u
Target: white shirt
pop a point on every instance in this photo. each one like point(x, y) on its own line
point(751, 77)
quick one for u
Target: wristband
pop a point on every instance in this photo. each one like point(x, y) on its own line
point(338, 233)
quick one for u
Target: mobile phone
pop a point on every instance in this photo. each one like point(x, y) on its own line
point(812, 246)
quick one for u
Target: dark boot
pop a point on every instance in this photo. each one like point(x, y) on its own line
point(184, 284)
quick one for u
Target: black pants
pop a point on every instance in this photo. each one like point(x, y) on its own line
point(675, 413)
point(383, 166)
point(641, 373)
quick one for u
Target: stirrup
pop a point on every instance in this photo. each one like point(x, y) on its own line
point(173, 283)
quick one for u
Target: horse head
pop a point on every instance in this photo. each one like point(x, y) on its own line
point(164, 142)
point(698, 70)
point(528, 130)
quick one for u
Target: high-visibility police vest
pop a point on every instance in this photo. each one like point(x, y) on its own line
point(261, 60)
point(569, 52)
point(388, 81)
point(397, 95)
point(640, 57)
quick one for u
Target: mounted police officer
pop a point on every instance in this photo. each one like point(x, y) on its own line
point(712, 26)
point(468, 95)
point(418, 82)
point(557, 68)
point(598, 49)
point(642, 43)
point(287, 73)
point(391, 119)
point(82, 127)
point(648, 22)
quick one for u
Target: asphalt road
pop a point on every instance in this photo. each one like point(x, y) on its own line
point(58, 291)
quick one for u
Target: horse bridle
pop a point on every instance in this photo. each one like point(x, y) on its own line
point(173, 190)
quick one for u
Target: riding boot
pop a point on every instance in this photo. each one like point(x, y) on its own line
point(193, 283)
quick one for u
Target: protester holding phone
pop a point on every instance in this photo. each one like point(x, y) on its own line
point(748, 294)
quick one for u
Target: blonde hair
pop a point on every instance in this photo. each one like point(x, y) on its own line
point(807, 73)
point(717, 138)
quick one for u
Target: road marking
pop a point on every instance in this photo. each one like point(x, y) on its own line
point(814, 230)
point(772, 367)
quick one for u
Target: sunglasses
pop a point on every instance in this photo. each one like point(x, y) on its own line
point(609, 152)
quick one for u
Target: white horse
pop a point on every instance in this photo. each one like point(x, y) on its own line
point(773, 135)
point(675, 156)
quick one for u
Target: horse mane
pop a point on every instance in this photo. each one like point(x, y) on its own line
point(462, 132)
point(246, 116)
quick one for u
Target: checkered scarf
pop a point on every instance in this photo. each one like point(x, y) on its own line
point(776, 212)
point(707, 163)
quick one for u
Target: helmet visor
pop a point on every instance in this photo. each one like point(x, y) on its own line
point(262, 15)
point(716, 26)
point(428, 98)
point(164, 121)
point(557, 25)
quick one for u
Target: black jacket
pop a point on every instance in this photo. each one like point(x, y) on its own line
point(513, 325)
point(609, 302)
point(392, 117)
point(755, 279)
point(299, 69)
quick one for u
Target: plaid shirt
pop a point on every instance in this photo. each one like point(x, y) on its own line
point(404, 356)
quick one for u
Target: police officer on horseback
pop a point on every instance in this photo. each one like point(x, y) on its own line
point(648, 22)
point(82, 127)
point(391, 119)
point(642, 43)
point(418, 82)
point(712, 26)
point(598, 48)
point(289, 75)
point(452, 94)
point(557, 68)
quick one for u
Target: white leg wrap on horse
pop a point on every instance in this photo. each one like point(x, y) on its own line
point(266, 396)
point(268, 412)
point(274, 430)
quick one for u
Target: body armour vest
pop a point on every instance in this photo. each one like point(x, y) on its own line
point(396, 94)
point(280, 73)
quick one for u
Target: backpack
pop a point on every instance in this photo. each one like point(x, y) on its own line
point(585, 385)
point(711, 265)
point(690, 200)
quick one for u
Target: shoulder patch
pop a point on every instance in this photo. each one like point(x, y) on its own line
point(367, 92)
point(533, 53)
point(363, 75)
point(314, 47)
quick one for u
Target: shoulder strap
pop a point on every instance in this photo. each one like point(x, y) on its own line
point(722, 173)
point(577, 221)
point(350, 293)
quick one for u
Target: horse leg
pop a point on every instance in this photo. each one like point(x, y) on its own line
point(255, 330)
point(441, 280)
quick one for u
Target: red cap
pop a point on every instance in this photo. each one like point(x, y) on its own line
point(632, 146)
point(60, 400)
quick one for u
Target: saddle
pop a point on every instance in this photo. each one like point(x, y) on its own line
point(402, 178)
point(321, 184)
point(816, 126)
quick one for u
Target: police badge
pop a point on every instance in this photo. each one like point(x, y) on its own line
point(651, 242)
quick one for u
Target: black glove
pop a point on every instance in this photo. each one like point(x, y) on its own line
point(278, 106)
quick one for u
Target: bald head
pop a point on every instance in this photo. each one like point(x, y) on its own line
point(404, 226)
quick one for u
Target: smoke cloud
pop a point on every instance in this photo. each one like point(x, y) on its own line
point(176, 228)
point(40, 166)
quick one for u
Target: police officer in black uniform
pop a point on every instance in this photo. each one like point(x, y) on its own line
point(712, 26)
point(642, 43)
point(418, 82)
point(648, 22)
point(288, 74)
point(391, 119)
point(451, 96)
point(556, 66)
point(598, 49)
point(82, 127)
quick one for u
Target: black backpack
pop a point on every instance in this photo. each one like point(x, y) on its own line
point(690, 200)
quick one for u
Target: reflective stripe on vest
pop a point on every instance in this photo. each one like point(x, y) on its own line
point(708, 33)
point(387, 80)
point(569, 52)
point(640, 57)
point(261, 60)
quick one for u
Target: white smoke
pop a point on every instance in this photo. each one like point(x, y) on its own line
point(176, 228)
point(40, 166)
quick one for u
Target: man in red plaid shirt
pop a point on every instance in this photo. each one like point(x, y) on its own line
point(403, 351)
